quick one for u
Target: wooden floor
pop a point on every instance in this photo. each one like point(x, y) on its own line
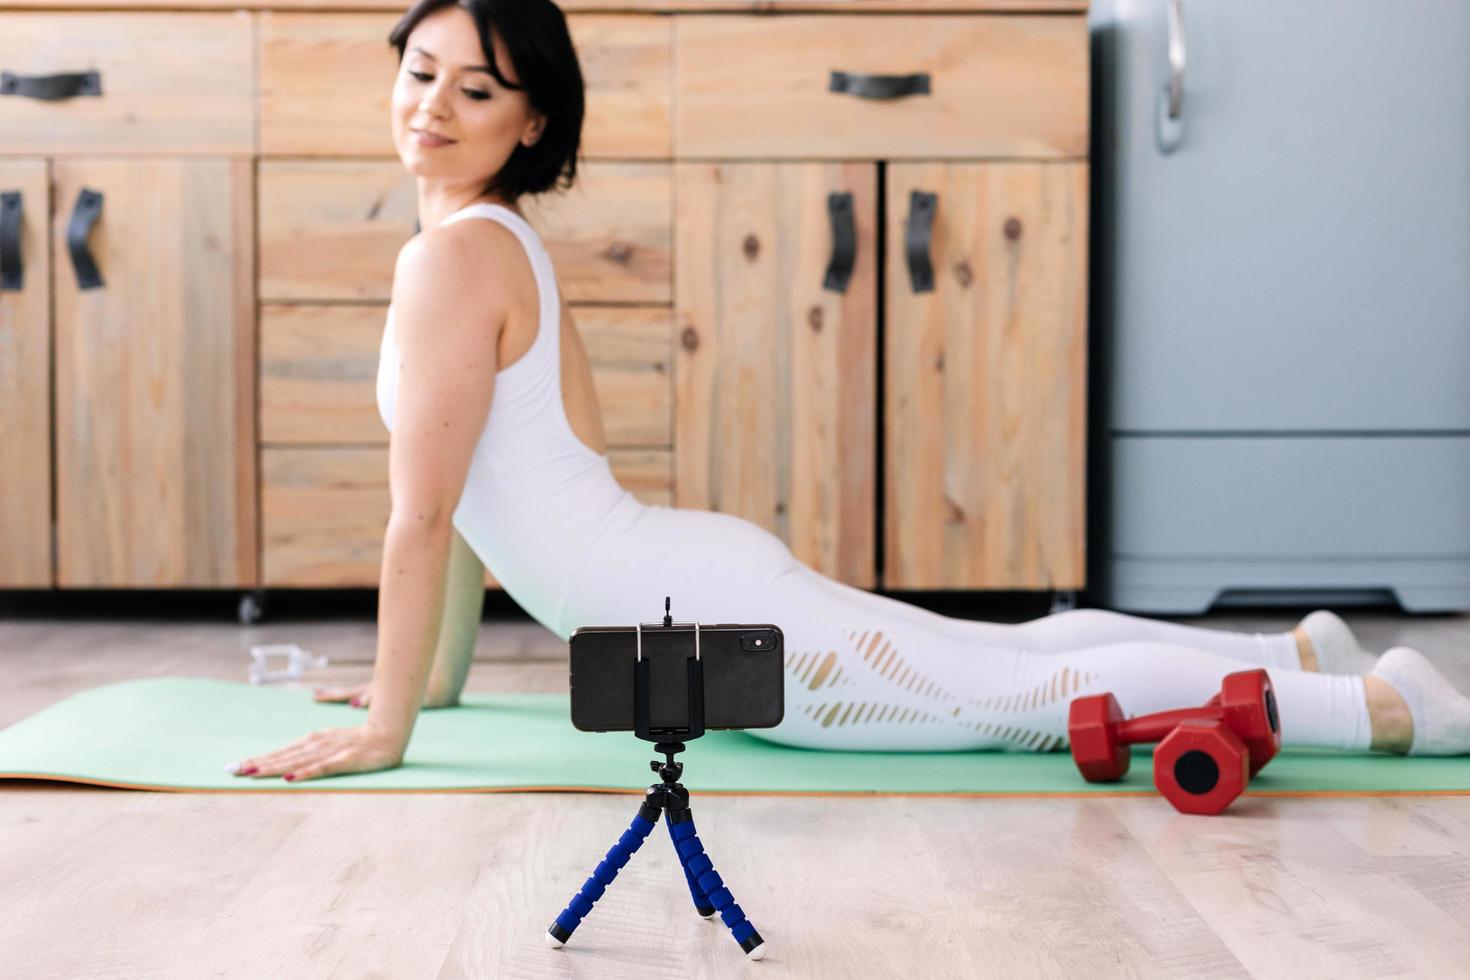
point(107, 883)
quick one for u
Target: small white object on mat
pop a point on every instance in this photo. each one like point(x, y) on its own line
point(276, 663)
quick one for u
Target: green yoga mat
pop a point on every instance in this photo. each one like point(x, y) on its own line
point(180, 733)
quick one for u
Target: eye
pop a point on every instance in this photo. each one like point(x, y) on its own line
point(476, 94)
point(421, 76)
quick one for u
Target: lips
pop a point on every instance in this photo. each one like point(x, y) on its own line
point(424, 138)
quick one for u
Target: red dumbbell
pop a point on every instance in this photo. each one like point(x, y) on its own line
point(1201, 767)
point(1241, 718)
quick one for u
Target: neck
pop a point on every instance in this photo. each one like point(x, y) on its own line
point(437, 202)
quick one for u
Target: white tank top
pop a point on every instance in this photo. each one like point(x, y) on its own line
point(536, 498)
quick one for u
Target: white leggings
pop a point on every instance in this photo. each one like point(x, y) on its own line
point(901, 677)
point(864, 671)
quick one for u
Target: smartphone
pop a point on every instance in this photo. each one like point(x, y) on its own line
point(742, 666)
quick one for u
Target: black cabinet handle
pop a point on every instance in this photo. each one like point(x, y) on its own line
point(51, 88)
point(83, 216)
point(12, 273)
point(916, 240)
point(844, 243)
point(878, 86)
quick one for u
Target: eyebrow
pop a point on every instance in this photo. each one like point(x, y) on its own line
point(483, 68)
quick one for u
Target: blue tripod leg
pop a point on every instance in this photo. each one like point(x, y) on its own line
point(561, 930)
point(701, 900)
point(700, 871)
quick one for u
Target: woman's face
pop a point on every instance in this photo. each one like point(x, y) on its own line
point(451, 119)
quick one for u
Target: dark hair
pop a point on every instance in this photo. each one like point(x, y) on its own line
point(535, 34)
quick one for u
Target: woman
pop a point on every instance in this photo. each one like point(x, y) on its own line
point(498, 455)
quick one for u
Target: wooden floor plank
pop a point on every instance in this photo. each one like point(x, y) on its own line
point(112, 883)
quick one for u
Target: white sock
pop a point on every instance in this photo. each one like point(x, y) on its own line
point(1441, 714)
point(1336, 647)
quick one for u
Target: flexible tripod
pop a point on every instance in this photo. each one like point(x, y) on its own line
point(670, 799)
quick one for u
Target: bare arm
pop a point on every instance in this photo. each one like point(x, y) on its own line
point(447, 315)
point(447, 349)
point(459, 628)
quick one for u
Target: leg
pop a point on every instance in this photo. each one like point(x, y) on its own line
point(868, 672)
point(1078, 628)
point(860, 679)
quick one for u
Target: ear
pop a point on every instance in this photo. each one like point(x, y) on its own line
point(533, 130)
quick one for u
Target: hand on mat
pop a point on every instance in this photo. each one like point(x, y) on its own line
point(329, 752)
point(357, 695)
point(361, 696)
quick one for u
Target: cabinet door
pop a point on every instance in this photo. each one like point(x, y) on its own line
point(25, 376)
point(984, 377)
point(155, 411)
point(775, 374)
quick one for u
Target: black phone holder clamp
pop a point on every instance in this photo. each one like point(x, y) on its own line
point(671, 800)
point(667, 737)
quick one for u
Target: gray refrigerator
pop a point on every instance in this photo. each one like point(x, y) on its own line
point(1281, 303)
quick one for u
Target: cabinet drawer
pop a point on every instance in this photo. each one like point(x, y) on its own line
point(324, 510)
point(331, 230)
point(319, 365)
point(326, 82)
point(176, 83)
point(318, 374)
point(998, 86)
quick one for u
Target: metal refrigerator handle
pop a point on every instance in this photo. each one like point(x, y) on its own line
point(1175, 89)
point(1170, 116)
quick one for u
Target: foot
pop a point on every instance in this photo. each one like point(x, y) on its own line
point(1327, 645)
point(1441, 715)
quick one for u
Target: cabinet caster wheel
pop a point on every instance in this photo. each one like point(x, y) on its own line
point(252, 608)
point(1063, 602)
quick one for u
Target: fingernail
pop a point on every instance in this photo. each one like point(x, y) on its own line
point(357, 702)
point(250, 772)
point(289, 776)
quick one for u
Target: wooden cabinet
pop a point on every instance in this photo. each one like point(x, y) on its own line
point(985, 375)
point(127, 83)
point(848, 86)
point(982, 368)
point(738, 254)
point(977, 439)
point(776, 358)
point(325, 81)
point(155, 411)
point(134, 324)
point(153, 338)
point(25, 375)
point(324, 461)
point(331, 230)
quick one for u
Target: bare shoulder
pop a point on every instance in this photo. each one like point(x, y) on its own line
point(466, 265)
